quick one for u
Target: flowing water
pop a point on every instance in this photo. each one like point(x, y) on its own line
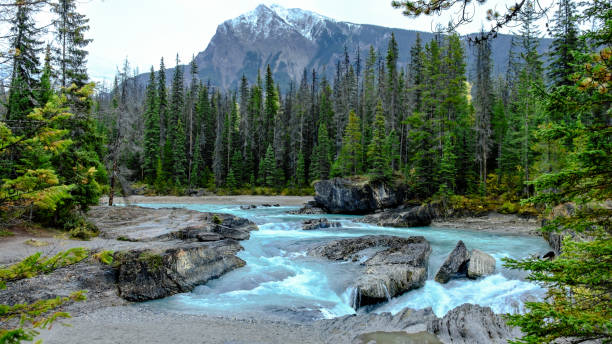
point(280, 279)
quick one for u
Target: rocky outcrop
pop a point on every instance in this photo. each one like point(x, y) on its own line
point(393, 265)
point(347, 196)
point(418, 216)
point(170, 250)
point(147, 274)
point(344, 329)
point(310, 208)
point(149, 225)
point(455, 263)
point(481, 264)
point(472, 324)
point(319, 224)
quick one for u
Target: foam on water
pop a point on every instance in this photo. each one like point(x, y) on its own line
point(281, 278)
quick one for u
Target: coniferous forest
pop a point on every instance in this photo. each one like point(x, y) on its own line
point(526, 141)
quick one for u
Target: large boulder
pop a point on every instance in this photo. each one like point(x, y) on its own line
point(455, 263)
point(310, 208)
point(347, 196)
point(175, 267)
point(481, 264)
point(418, 216)
point(472, 324)
point(393, 265)
point(319, 224)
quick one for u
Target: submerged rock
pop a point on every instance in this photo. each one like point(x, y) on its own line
point(472, 324)
point(418, 216)
point(248, 207)
point(393, 265)
point(455, 263)
point(347, 196)
point(319, 224)
point(147, 274)
point(481, 264)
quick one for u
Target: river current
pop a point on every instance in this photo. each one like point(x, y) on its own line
point(280, 279)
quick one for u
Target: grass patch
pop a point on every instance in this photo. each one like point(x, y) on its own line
point(5, 233)
point(154, 261)
point(36, 264)
point(105, 257)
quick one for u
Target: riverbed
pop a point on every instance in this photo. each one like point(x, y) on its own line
point(281, 280)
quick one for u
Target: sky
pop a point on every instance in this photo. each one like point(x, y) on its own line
point(145, 30)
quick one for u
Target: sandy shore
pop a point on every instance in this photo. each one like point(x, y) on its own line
point(238, 200)
point(135, 325)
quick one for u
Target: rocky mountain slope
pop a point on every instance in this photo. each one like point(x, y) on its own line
point(292, 40)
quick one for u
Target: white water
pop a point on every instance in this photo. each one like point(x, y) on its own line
point(281, 280)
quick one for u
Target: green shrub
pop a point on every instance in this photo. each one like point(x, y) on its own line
point(105, 257)
point(509, 208)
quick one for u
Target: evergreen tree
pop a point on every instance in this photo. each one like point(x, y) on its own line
point(483, 104)
point(301, 170)
point(26, 47)
point(379, 162)
point(71, 55)
point(565, 44)
point(151, 133)
point(349, 159)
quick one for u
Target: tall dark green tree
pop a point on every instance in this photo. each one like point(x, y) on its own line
point(71, 54)
point(151, 133)
point(25, 47)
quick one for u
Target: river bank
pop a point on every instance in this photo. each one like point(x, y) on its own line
point(227, 200)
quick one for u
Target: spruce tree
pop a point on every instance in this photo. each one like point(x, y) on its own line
point(349, 159)
point(300, 173)
point(25, 45)
point(151, 131)
point(379, 162)
point(70, 27)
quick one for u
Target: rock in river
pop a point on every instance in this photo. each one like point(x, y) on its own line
point(153, 273)
point(455, 263)
point(481, 264)
point(319, 224)
point(347, 196)
point(418, 216)
point(393, 265)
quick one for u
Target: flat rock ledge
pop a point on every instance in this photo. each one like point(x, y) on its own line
point(157, 253)
point(392, 265)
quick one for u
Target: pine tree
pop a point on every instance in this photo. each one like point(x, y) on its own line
point(71, 55)
point(151, 133)
point(26, 47)
point(565, 44)
point(269, 167)
point(270, 109)
point(46, 89)
point(180, 158)
point(349, 159)
point(162, 105)
point(379, 162)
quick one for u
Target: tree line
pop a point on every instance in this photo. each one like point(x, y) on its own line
point(424, 123)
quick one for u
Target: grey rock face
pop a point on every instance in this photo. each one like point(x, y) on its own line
point(310, 208)
point(344, 196)
point(472, 324)
point(455, 263)
point(319, 224)
point(148, 274)
point(481, 264)
point(418, 216)
point(393, 265)
point(344, 329)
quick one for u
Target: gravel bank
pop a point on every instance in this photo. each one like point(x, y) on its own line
point(239, 200)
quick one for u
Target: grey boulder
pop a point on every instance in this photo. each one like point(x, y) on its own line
point(481, 264)
point(456, 263)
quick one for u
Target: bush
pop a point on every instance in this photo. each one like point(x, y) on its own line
point(509, 208)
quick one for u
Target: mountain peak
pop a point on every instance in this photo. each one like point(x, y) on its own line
point(304, 22)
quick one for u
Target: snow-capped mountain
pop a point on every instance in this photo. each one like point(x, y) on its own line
point(293, 40)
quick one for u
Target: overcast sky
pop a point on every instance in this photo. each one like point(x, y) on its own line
point(145, 30)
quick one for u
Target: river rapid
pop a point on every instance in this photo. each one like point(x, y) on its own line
point(281, 280)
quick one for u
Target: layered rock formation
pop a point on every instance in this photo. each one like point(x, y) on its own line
point(393, 265)
point(347, 196)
